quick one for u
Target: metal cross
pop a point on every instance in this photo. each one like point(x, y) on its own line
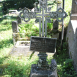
point(42, 13)
point(46, 15)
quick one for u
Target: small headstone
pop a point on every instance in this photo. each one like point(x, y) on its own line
point(15, 30)
point(14, 26)
point(55, 22)
point(55, 25)
point(18, 20)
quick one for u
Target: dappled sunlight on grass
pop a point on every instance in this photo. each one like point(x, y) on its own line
point(19, 67)
point(5, 51)
point(7, 20)
point(6, 42)
point(7, 34)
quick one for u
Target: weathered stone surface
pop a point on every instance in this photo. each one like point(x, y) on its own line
point(74, 6)
point(72, 41)
point(18, 20)
point(35, 72)
point(14, 26)
point(55, 24)
point(72, 34)
point(21, 49)
point(15, 30)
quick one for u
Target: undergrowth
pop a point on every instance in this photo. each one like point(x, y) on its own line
point(65, 66)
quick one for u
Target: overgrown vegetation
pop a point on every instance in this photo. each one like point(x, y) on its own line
point(64, 63)
point(29, 29)
point(20, 66)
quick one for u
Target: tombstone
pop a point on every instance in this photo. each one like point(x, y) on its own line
point(43, 44)
point(71, 36)
point(55, 22)
point(15, 31)
point(18, 20)
point(14, 26)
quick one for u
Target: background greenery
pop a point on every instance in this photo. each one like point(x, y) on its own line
point(16, 4)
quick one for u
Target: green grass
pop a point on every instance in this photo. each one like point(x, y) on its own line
point(21, 66)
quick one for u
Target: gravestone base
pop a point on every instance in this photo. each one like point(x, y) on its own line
point(35, 72)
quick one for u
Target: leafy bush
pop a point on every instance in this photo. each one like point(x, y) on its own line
point(68, 69)
point(29, 29)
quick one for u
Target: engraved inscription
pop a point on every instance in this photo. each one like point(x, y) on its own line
point(43, 44)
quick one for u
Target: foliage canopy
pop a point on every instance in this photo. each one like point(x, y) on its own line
point(16, 4)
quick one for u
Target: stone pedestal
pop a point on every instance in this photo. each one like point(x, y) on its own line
point(36, 72)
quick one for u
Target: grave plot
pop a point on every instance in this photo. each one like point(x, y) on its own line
point(42, 44)
point(21, 36)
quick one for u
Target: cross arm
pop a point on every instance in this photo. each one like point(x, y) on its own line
point(26, 15)
point(60, 14)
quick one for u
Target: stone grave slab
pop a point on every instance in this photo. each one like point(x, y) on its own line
point(20, 48)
